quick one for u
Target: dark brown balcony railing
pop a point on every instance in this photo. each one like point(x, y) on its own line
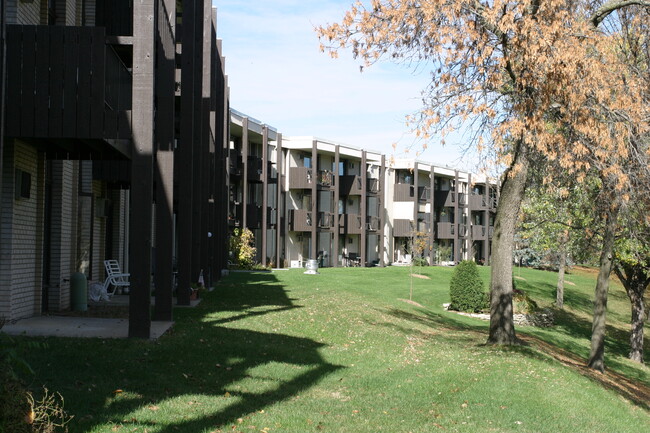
point(300, 220)
point(402, 228)
point(253, 215)
point(254, 168)
point(477, 202)
point(479, 232)
point(446, 230)
point(300, 177)
point(404, 192)
point(65, 82)
point(350, 224)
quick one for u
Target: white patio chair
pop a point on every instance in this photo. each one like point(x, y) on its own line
point(114, 277)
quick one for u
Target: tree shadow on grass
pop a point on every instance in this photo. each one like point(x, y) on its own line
point(242, 371)
point(547, 347)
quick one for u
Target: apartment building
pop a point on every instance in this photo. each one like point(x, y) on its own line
point(453, 210)
point(254, 196)
point(118, 142)
point(114, 146)
point(344, 206)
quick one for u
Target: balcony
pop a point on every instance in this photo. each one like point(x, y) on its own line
point(350, 224)
point(424, 194)
point(404, 192)
point(402, 228)
point(445, 198)
point(477, 202)
point(65, 83)
point(300, 220)
point(350, 185)
point(253, 216)
point(300, 177)
point(372, 223)
point(462, 199)
point(235, 163)
point(462, 230)
point(254, 169)
point(446, 231)
point(325, 220)
point(479, 232)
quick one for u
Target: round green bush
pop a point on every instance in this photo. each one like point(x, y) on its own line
point(466, 288)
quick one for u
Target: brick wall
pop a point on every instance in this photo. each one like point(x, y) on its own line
point(22, 227)
point(98, 234)
point(62, 248)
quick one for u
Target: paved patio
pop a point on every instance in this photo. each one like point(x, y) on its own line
point(86, 327)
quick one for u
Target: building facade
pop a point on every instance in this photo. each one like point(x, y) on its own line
point(309, 198)
point(114, 146)
point(118, 142)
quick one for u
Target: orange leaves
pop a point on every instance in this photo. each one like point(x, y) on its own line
point(538, 72)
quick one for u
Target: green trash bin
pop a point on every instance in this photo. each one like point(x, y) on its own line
point(79, 291)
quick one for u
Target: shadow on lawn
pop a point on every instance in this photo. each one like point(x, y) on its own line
point(204, 358)
point(547, 347)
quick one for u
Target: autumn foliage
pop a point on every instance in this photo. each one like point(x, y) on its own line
point(540, 72)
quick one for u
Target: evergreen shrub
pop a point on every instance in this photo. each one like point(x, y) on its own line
point(466, 288)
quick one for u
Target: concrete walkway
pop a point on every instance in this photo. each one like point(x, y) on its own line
point(81, 327)
point(86, 327)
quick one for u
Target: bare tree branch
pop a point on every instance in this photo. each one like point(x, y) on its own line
point(612, 6)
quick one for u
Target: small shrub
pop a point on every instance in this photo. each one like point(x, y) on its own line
point(466, 288)
point(420, 261)
point(242, 249)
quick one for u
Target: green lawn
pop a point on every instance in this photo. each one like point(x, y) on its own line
point(344, 351)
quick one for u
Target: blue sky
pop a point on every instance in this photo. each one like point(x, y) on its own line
point(278, 75)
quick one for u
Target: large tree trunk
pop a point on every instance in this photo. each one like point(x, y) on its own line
point(597, 354)
point(635, 280)
point(502, 328)
point(636, 334)
point(559, 295)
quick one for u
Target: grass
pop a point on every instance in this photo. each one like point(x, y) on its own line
point(344, 351)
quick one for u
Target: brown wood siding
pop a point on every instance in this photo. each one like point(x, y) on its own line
point(300, 220)
point(479, 233)
point(350, 224)
point(446, 230)
point(301, 177)
point(404, 192)
point(86, 96)
point(402, 228)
